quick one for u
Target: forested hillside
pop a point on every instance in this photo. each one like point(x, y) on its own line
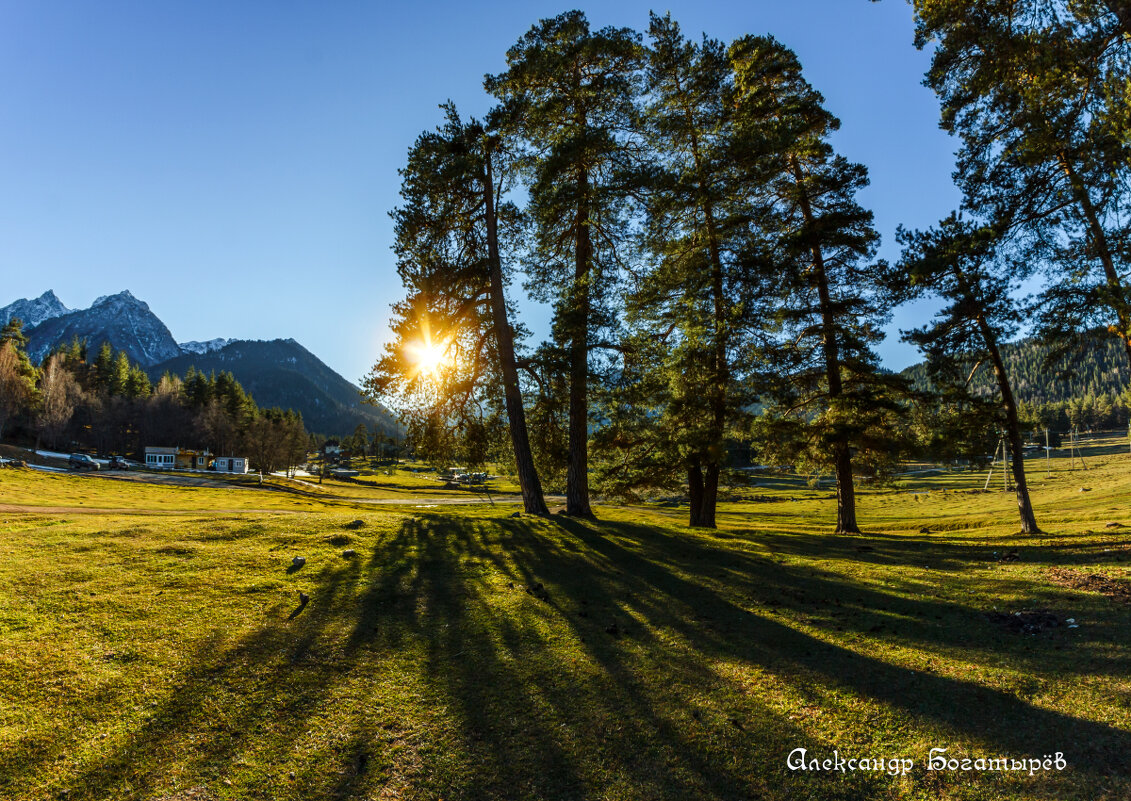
point(283, 373)
point(1099, 369)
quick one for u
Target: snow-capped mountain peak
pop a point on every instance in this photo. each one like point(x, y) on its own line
point(201, 348)
point(122, 320)
point(34, 312)
point(123, 298)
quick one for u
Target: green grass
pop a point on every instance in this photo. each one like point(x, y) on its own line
point(31, 489)
point(143, 655)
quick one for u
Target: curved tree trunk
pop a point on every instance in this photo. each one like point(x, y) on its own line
point(1012, 432)
point(533, 501)
point(1009, 404)
point(1118, 302)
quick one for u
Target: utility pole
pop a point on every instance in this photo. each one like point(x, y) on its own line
point(1048, 465)
point(1004, 463)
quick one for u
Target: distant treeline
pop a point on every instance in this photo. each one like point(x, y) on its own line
point(109, 405)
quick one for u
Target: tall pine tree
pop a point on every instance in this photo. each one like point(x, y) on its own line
point(963, 263)
point(1038, 91)
point(450, 258)
point(572, 92)
point(834, 300)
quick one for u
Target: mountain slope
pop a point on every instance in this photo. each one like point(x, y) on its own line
point(1101, 369)
point(122, 320)
point(33, 312)
point(283, 373)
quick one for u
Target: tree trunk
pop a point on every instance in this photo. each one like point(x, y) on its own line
point(845, 491)
point(842, 456)
point(1012, 427)
point(577, 473)
point(695, 493)
point(717, 429)
point(1118, 302)
point(532, 500)
point(710, 495)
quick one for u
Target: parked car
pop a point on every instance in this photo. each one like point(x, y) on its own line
point(118, 463)
point(80, 461)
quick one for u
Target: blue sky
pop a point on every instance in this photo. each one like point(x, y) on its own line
point(233, 164)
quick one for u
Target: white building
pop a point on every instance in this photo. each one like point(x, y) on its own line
point(160, 458)
point(230, 464)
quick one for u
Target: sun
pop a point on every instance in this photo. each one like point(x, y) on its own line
point(429, 357)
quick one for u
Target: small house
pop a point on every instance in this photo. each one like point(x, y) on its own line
point(159, 458)
point(162, 458)
point(192, 460)
point(229, 464)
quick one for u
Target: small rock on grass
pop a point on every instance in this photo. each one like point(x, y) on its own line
point(516, 514)
point(1113, 525)
point(349, 553)
point(354, 524)
point(299, 561)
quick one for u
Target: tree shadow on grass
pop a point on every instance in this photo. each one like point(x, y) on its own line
point(430, 670)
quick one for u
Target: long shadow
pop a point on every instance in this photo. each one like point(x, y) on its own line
point(536, 730)
point(231, 695)
point(494, 688)
point(910, 611)
point(998, 719)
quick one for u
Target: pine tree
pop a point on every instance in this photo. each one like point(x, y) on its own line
point(962, 263)
point(830, 384)
point(1038, 91)
point(682, 394)
point(572, 92)
point(451, 232)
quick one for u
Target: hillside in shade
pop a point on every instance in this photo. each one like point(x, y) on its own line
point(283, 373)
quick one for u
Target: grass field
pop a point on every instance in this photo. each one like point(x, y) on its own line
point(462, 653)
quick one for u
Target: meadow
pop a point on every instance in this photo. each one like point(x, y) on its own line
point(153, 644)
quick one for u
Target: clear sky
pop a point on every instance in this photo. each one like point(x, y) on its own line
point(233, 164)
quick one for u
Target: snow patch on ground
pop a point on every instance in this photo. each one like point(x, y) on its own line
point(47, 469)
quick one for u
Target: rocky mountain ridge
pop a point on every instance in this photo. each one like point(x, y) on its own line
point(35, 311)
